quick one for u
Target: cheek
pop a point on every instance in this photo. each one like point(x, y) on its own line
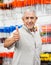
point(34, 21)
point(25, 22)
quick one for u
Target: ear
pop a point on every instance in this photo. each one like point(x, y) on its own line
point(23, 18)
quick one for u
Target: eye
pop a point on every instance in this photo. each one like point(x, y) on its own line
point(27, 17)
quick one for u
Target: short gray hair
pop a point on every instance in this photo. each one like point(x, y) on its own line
point(29, 10)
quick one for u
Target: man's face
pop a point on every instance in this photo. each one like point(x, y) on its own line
point(29, 19)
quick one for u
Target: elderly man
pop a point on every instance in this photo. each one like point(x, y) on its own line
point(26, 40)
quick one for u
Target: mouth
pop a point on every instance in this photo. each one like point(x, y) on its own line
point(30, 23)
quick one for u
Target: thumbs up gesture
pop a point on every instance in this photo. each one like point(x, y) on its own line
point(16, 35)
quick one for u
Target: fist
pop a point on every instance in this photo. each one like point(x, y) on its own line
point(16, 35)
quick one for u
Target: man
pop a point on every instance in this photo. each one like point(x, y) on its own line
point(26, 40)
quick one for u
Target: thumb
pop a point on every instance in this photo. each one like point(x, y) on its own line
point(17, 29)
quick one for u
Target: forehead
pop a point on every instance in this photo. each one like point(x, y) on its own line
point(27, 13)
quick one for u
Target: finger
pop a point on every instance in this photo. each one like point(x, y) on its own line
point(17, 29)
point(16, 37)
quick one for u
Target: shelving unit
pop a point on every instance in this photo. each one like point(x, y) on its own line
point(46, 42)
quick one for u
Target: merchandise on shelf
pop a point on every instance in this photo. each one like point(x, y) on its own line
point(46, 34)
point(22, 3)
point(6, 58)
point(45, 56)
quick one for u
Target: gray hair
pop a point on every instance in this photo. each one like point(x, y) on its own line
point(29, 10)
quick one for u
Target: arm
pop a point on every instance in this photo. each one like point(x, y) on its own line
point(9, 42)
point(12, 39)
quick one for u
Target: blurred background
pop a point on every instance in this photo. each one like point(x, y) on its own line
point(11, 12)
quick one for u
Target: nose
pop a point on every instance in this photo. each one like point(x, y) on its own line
point(29, 20)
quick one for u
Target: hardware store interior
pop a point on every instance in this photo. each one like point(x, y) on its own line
point(10, 16)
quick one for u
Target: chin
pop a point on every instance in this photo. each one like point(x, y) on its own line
point(30, 27)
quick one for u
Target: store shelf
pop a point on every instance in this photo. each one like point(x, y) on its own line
point(46, 48)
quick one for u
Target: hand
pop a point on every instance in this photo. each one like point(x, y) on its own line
point(16, 35)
